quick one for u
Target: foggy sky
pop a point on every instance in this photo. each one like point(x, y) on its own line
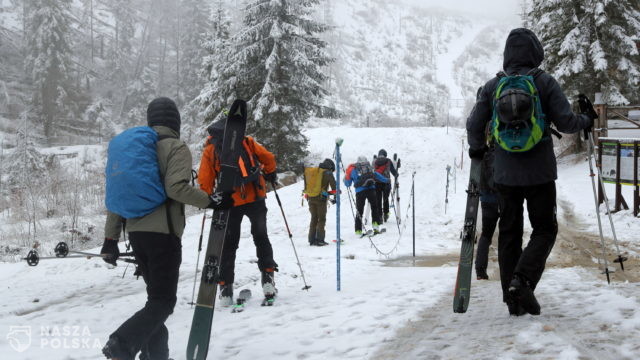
point(507, 9)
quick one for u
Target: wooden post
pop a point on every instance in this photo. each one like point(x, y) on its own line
point(619, 198)
point(636, 191)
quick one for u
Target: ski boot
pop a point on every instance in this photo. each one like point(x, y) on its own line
point(482, 274)
point(376, 228)
point(520, 290)
point(226, 295)
point(116, 349)
point(359, 233)
point(269, 286)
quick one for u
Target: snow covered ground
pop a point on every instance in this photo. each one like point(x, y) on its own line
point(386, 309)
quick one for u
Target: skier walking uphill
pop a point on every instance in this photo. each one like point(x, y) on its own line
point(249, 200)
point(317, 181)
point(362, 176)
point(383, 165)
point(526, 173)
point(156, 240)
point(490, 212)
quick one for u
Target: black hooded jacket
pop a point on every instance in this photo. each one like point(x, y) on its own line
point(522, 53)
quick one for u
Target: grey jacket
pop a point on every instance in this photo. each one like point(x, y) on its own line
point(522, 53)
point(174, 159)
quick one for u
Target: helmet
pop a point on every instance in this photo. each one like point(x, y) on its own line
point(382, 152)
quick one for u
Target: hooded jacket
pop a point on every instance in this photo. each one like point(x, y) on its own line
point(522, 53)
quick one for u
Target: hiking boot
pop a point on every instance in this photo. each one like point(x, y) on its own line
point(226, 295)
point(520, 290)
point(482, 274)
point(269, 283)
point(116, 349)
point(514, 308)
point(320, 243)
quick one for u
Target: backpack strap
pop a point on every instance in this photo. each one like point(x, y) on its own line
point(535, 72)
point(501, 74)
point(166, 203)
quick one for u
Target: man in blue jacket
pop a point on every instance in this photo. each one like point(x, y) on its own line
point(528, 175)
point(362, 176)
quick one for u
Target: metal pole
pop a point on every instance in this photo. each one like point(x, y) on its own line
point(413, 205)
point(338, 239)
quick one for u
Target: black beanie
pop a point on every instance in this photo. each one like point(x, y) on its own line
point(382, 152)
point(163, 111)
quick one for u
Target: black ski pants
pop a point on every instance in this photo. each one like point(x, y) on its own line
point(361, 197)
point(158, 256)
point(490, 215)
point(257, 214)
point(318, 210)
point(541, 205)
point(382, 198)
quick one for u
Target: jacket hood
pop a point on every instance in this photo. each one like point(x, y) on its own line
point(522, 50)
point(217, 129)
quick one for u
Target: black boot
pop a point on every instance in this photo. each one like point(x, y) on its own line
point(320, 240)
point(481, 274)
point(312, 238)
point(520, 289)
point(117, 349)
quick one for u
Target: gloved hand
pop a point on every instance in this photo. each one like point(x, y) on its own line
point(221, 201)
point(478, 153)
point(332, 200)
point(586, 108)
point(271, 177)
point(110, 249)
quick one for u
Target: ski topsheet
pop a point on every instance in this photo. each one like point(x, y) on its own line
point(198, 345)
point(468, 237)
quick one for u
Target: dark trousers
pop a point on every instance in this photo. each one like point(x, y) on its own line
point(159, 257)
point(490, 215)
point(382, 198)
point(318, 210)
point(257, 214)
point(541, 204)
point(370, 196)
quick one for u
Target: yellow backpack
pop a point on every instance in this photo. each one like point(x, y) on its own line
point(313, 181)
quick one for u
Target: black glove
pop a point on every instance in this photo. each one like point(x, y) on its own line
point(586, 108)
point(332, 200)
point(271, 177)
point(221, 201)
point(110, 250)
point(478, 153)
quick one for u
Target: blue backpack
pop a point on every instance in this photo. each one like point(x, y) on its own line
point(134, 186)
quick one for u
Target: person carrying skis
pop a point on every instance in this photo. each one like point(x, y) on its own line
point(257, 166)
point(383, 165)
point(526, 172)
point(318, 203)
point(363, 177)
point(490, 212)
point(156, 241)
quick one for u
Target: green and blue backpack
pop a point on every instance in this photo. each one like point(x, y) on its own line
point(518, 123)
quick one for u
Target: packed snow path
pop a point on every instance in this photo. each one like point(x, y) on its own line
point(370, 314)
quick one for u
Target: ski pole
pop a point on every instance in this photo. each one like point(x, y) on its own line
point(195, 276)
point(620, 259)
point(339, 142)
point(286, 224)
point(413, 200)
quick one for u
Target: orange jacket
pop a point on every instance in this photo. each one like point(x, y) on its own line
point(246, 193)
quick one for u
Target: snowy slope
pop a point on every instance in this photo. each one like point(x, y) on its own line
point(381, 302)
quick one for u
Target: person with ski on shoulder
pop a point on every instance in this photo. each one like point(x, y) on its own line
point(526, 171)
point(317, 182)
point(383, 165)
point(156, 240)
point(363, 178)
point(257, 166)
point(490, 212)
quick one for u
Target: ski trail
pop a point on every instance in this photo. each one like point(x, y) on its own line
point(569, 327)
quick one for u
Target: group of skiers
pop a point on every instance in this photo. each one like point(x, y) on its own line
point(372, 183)
point(510, 178)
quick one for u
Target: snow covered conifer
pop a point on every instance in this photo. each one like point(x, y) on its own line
point(193, 34)
point(277, 66)
point(48, 61)
point(592, 46)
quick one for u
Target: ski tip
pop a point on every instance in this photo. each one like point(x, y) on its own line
point(238, 109)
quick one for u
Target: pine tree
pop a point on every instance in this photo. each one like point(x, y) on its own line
point(48, 61)
point(196, 23)
point(277, 66)
point(591, 46)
